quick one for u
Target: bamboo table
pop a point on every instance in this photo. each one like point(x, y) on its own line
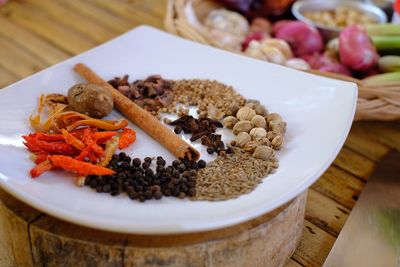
point(35, 34)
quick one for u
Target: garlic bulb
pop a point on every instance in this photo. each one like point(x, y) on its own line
point(297, 63)
point(282, 45)
point(273, 54)
point(227, 21)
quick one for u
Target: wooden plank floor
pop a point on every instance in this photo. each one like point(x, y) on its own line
point(35, 34)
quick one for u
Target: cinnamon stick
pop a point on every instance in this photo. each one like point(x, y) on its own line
point(142, 118)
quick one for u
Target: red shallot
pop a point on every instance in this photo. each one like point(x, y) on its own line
point(303, 38)
point(356, 50)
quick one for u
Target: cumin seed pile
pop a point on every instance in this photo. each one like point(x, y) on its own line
point(232, 176)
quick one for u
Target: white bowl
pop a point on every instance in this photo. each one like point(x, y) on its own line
point(299, 7)
point(319, 113)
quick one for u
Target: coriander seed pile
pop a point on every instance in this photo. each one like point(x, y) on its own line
point(212, 98)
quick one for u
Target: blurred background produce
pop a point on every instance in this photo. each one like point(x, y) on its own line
point(365, 45)
point(356, 51)
point(258, 8)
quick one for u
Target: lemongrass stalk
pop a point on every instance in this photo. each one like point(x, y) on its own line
point(382, 78)
point(386, 29)
point(386, 42)
point(389, 63)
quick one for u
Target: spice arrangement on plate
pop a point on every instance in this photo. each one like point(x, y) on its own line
point(73, 134)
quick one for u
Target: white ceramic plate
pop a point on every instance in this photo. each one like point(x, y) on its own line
point(319, 113)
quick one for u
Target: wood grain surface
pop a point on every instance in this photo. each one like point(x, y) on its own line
point(35, 34)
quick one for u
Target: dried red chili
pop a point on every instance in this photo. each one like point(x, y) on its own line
point(41, 168)
point(84, 168)
point(128, 136)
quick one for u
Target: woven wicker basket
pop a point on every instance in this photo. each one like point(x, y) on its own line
point(375, 102)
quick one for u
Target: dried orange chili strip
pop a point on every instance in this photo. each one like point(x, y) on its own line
point(32, 146)
point(84, 153)
point(72, 140)
point(70, 164)
point(41, 168)
point(128, 136)
point(93, 158)
point(104, 125)
point(102, 137)
point(88, 140)
point(48, 137)
point(50, 147)
point(41, 156)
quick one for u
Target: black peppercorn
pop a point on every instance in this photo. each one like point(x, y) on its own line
point(125, 165)
point(157, 195)
point(136, 162)
point(190, 184)
point(178, 129)
point(130, 189)
point(88, 179)
point(99, 188)
point(183, 188)
point(175, 163)
point(145, 165)
point(127, 159)
point(193, 165)
point(155, 188)
point(161, 162)
point(139, 188)
point(175, 191)
point(160, 169)
point(210, 150)
point(121, 175)
point(115, 193)
point(133, 195)
point(201, 164)
point(173, 182)
point(138, 175)
point(148, 195)
point(93, 183)
point(166, 192)
point(175, 173)
point(191, 192)
point(149, 172)
point(181, 167)
point(142, 198)
point(122, 155)
point(186, 162)
point(140, 182)
point(107, 188)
